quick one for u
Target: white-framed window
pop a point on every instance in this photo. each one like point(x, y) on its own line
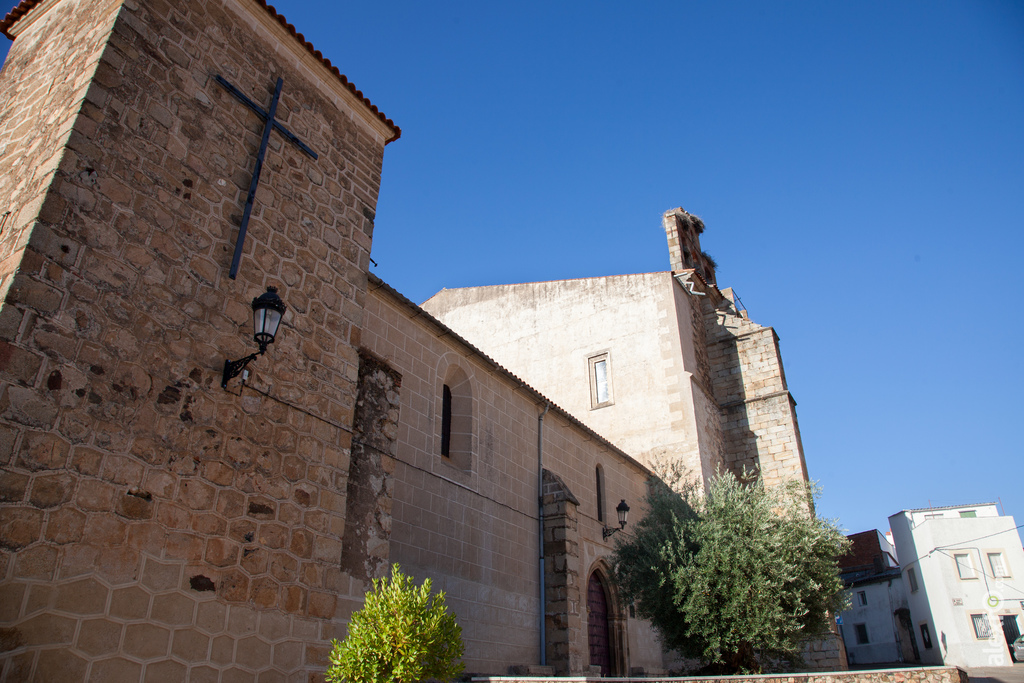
point(982, 627)
point(862, 598)
point(968, 513)
point(998, 565)
point(600, 371)
point(965, 565)
point(912, 580)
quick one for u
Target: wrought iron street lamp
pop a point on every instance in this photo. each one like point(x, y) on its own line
point(267, 311)
point(622, 510)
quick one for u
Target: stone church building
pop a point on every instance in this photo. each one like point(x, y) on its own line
point(158, 526)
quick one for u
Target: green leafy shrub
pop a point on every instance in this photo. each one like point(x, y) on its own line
point(403, 634)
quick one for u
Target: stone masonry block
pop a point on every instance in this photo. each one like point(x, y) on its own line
point(86, 596)
point(43, 451)
point(175, 609)
point(18, 365)
point(48, 629)
point(99, 637)
point(129, 603)
point(65, 525)
point(115, 669)
point(37, 562)
point(19, 527)
point(167, 671)
point(253, 652)
point(146, 641)
point(13, 487)
point(55, 664)
point(51, 490)
point(159, 576)
point(190, 645)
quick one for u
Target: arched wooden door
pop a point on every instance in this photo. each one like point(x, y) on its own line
point(597, 625)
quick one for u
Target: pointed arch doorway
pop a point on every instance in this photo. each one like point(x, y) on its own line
point(599, 622)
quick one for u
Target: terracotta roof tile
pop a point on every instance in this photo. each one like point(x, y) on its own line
point(25, 6)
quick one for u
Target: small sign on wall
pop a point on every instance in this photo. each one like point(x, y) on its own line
point(958, 602)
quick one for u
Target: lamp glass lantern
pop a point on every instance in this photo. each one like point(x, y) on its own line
point(622, 510)
point(267, 311)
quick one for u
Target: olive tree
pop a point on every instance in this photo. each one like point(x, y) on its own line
point(736, 577)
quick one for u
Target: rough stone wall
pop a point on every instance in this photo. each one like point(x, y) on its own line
point(758, 412)
point(706, 413)
point(365, 548)
point(562, 613)
point(42, 94)
point(827, 653)
point(153, 525)
point(683, 230)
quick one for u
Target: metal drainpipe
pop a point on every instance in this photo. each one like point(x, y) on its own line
point(540, 517)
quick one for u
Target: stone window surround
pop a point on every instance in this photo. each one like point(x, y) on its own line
point(593, 360)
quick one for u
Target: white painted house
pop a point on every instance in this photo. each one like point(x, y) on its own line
point(963, 568)
point(876, 625)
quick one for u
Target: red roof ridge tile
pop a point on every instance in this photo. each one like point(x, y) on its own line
point(26, 6)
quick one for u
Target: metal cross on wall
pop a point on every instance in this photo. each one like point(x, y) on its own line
point(270, 123)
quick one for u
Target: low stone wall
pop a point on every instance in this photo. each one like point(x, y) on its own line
point(930, 674)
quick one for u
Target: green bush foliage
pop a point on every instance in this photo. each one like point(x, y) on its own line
point(403, 634)
point(737, 577)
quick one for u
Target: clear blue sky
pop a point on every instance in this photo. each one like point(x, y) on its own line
point(859, 166)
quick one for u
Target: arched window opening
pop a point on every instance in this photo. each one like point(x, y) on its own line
point(457, 419)
point(446, 421)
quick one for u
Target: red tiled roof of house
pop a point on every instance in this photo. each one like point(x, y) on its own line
point(25, 6)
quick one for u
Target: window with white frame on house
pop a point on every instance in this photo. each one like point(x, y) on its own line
point(862, 633)
point(965, 565)
point(982, 628)
point(599, 367)
point(998, 565)
point(912, 580)
point(968, 513)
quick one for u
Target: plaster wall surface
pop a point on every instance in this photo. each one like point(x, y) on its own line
point(877, 615)
point(152, 525)
point(643, 323)
point(474, 530)
point(947, 601)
